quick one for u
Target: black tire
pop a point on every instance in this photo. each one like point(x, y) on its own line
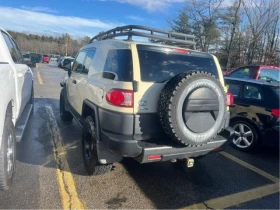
point(31, 101)
point(64, 115)
point(89, 140)
point(177, 103)
point(253, 139)
point(8, 144)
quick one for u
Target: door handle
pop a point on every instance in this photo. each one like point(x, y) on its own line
point(74, 81)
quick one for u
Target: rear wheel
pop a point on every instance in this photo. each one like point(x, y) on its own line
point(90, 156)
point(7, 155)
point(245, 136)
point(64, 115)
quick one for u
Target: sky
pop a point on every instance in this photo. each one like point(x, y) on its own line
point(82, 18)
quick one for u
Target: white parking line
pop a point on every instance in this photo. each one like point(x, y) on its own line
point(252, 168)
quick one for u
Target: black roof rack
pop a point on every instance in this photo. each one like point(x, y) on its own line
point(158, 35)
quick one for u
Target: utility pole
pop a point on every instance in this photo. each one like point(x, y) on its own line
point(66, 45)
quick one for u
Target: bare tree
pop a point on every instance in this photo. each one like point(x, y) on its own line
point(260, 15)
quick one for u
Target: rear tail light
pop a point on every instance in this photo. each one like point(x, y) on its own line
point(275, 112)
point(229, 99)
point(154, 157)
point(119, 97)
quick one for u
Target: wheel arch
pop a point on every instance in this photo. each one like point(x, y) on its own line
point(105, 156)
point(8, 111)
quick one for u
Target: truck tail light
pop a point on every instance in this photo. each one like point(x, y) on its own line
point(119, 97)
point(275, 112)
point(229, 99)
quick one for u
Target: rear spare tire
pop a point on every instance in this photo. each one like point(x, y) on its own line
point(192, 108)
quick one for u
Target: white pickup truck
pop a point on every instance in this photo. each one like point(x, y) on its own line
point(16, 104)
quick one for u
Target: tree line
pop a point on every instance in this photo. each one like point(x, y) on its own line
point(246, 32)
point(60, 45)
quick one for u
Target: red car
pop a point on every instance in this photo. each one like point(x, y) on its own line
point(46, 59)
point(267, 73)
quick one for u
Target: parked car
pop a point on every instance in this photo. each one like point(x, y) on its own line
point(16, 104)
point(36, 58)
point(66, 61)
point(255, 112)
point(147, 101)
point(267, 73)
point(27, 59)
point(61, 61)
point(46, 59)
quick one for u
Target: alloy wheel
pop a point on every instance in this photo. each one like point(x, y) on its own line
point(243, 136)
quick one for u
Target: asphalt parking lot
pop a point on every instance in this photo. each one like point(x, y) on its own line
point(50, 172)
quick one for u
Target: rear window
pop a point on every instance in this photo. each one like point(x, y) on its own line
point(160, 64)
point(118, 65)
point(270, 75)
point(276, 90)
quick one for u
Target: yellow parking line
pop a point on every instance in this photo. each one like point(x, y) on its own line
point(68, 193)
point(237, 198)
point(253, 168)
point(39, 78)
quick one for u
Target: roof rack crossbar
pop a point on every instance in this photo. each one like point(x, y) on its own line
point(141, 31)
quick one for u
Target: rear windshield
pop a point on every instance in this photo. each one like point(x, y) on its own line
point(270, 75)
point(160, 64)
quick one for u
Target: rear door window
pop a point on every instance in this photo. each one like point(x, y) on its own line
point(118, 65)
point(252, 92)
point(269, 75)
point(161, 64)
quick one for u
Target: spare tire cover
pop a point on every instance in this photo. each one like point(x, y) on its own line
point(192, 108)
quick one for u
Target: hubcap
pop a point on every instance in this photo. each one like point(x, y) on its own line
point(243, 136)
point(10, 155)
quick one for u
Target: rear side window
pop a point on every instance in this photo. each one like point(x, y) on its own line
point(159, 64)
point(234, 89)
point(118, 65)
point(270, 75)
point(243, 73)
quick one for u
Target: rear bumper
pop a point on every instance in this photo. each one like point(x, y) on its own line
point(121, 135)
point(133, 148)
